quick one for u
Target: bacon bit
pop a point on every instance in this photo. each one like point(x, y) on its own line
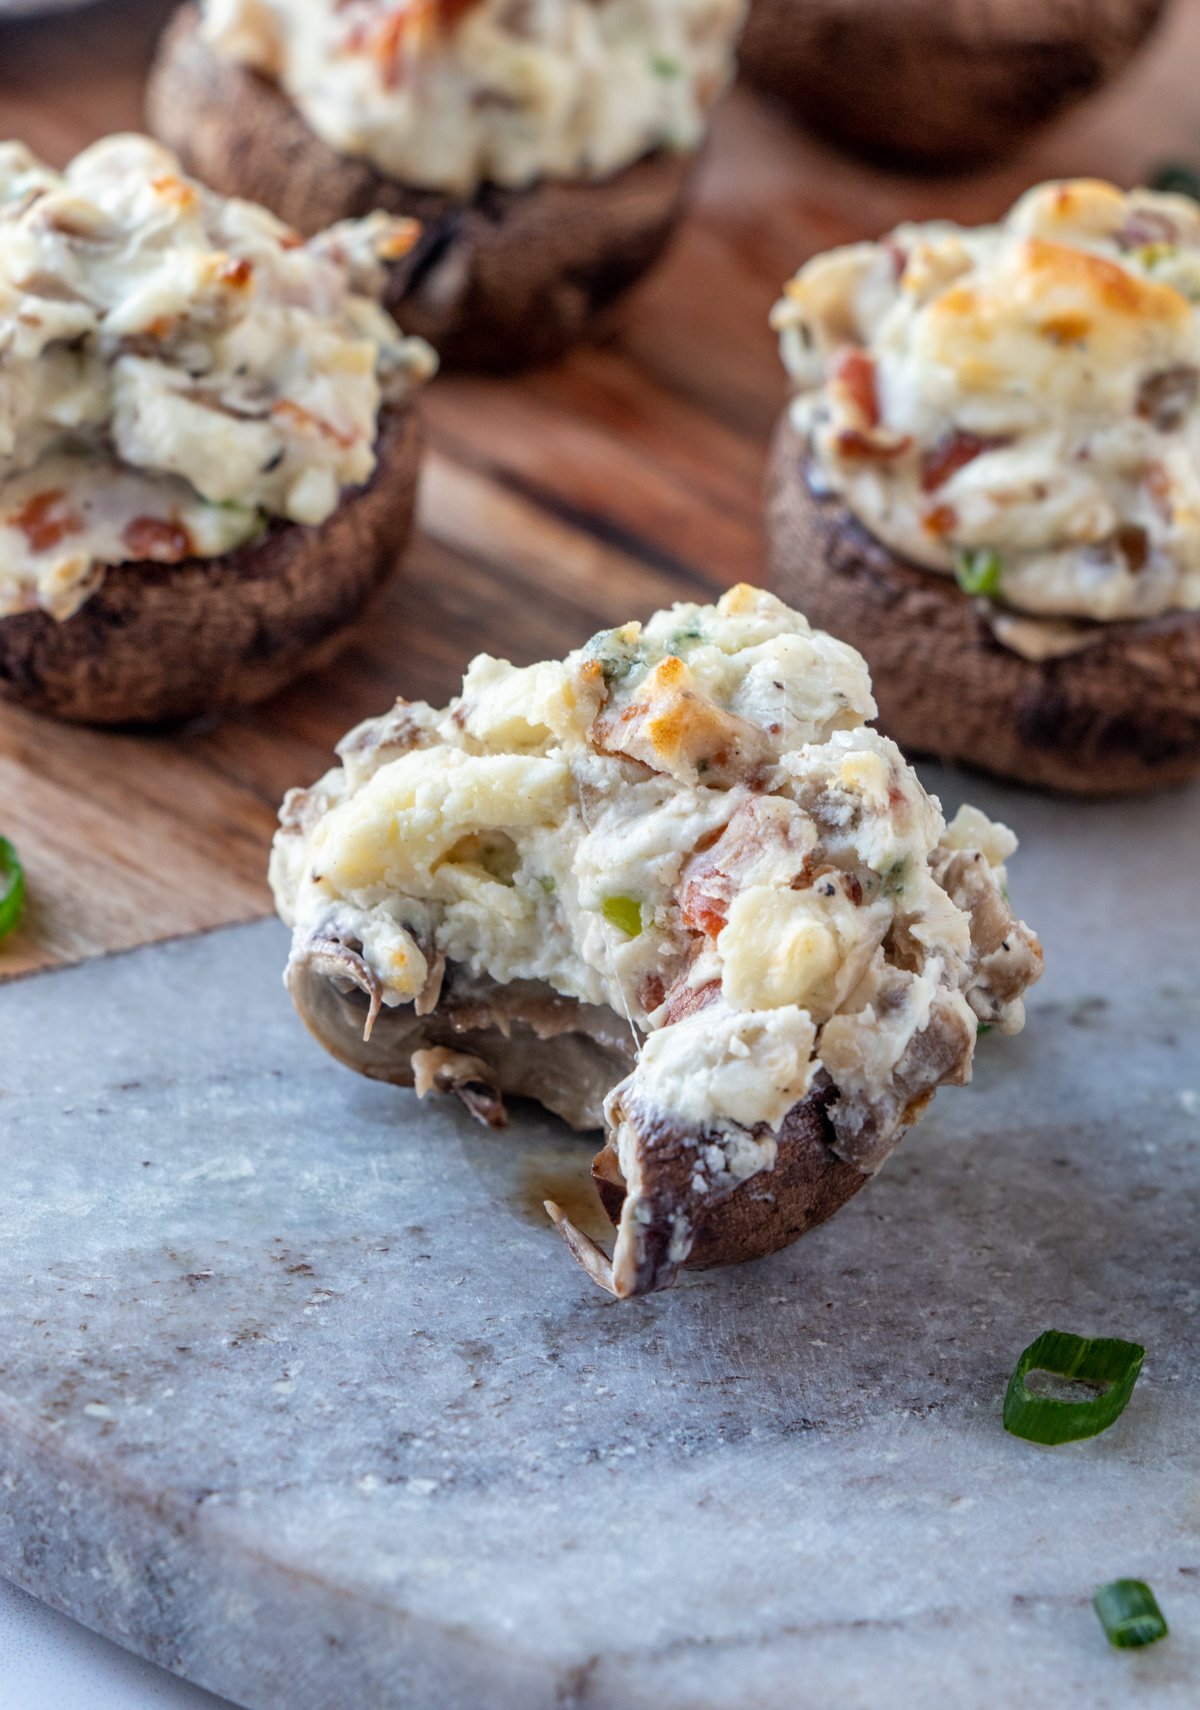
point(162, 326)
point(701, 911)
point(236, 270)
point(157, 539)
point(940, 521)
point(291, 240)
point(452, 12)
point(307, 422)
point(1133, 543)
point(951, 453)
point(854, 372)
point(651, 992)
point(683, 1000)
point(851, 443)
point(47, 520)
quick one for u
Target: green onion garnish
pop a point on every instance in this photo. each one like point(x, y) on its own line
point(1177, 180)
point(12, 888)
point(623, 912)
point(977, 569)
point(1080, 1359)
point(1129, 1614)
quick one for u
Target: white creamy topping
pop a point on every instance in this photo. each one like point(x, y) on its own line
point(175, 368)
point(1017, 401)
point(450, 94)
point(689, 822)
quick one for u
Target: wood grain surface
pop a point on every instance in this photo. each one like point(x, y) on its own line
point(552, 505)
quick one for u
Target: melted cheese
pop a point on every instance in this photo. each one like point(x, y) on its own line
point(1030, 390)
point(175, 368)
point(450, 94)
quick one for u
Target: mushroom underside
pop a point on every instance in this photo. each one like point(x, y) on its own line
point(1120, 716)
point(486, 1041)
point(938, 84)
point(506, 278)
point(164, 642)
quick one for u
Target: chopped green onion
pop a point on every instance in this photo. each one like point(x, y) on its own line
point(624, 913)
point(977, 569)
point(982, 1027)
point(1079, 1359)
point(12, 888)
point(547, 884)
point(1129, 1614)
point(1177, 180)
point(663, 67)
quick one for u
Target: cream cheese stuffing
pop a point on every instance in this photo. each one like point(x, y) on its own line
point(450, 94)
point(176, 368)
point(1018, 404)
point(692, 823)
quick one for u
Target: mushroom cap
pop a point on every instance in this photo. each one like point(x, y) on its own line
point(159, 642)
point(508, 278)
point(1120, 716)
point(526, 1040)
point(938, 82)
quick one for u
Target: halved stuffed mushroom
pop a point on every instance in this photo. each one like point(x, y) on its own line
point(673, 887)
point(208, 450)
point(988, 481)
point(545, 146)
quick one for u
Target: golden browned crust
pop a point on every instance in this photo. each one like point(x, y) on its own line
point(525, 1040)
point(938, 82)
point(509, 278)
point(1119, 717)
point(159, 642)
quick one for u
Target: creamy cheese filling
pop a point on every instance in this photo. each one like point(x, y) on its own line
point(175, 368)
point(1017, 404)
point(689, 822)
point(450, 94)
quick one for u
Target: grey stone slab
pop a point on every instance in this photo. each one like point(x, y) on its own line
point(301, 1397)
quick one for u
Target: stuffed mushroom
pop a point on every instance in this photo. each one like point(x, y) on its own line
point(207, 444)
point(938, 82)
point(988, 480)
point(545, 146)
point(675, 888)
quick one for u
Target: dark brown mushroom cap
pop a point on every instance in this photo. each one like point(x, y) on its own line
point(159, 642)
point(510, 277)
point(938, 82)
point(1120, 716)
point(666, 1226)
point(525, 1040)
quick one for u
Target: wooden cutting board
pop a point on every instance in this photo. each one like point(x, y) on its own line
point(551, 505)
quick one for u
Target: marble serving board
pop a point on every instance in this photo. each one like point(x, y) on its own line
point(301, 1397)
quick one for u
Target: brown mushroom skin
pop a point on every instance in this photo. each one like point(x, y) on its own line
point(1120, 717)
point(507, 279)
point(158, 643)
point(938, 82)
point(533, 1043)
point(741, 1221)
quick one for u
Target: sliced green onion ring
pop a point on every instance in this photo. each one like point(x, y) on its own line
point(12, 888)
point(977, 569)
point(1129, 1614)
point(625, 913)
point(1080, 1359)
